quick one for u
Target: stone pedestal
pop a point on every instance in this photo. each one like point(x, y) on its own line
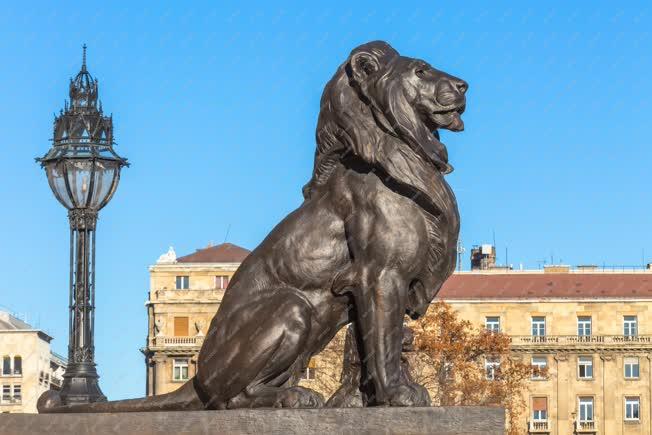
point(462, 420)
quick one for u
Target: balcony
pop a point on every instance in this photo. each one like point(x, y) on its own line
point(55, 382)
point(525, 342)
point(538, 426)
point(586, 426)
point(176, 342)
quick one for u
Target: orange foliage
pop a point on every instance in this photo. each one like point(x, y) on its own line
point(450, 363)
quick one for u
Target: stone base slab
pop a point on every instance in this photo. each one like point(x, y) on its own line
point(460, 420)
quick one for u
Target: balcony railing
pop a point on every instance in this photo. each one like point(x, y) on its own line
point(538, 426)
point(587, 341)
point(177, 341)
point(585, 426)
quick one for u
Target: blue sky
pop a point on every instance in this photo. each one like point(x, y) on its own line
point(216, 106)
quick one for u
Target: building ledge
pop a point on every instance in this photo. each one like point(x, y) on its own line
point(572, 342)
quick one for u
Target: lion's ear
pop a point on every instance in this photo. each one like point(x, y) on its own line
point(363, 65)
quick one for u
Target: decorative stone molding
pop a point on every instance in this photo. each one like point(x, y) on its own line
point(169, 257)
point(575, 343)
point(159, 325)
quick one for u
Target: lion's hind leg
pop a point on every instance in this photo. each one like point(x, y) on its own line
point(275, 344)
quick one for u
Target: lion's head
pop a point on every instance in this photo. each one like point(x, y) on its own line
point(376, 95)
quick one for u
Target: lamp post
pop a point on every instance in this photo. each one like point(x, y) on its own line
point(83, 171)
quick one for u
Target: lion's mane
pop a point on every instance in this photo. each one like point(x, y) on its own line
point(362, 125)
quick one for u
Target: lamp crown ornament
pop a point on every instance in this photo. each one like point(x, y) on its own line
point(83, 88)
point(83, 168)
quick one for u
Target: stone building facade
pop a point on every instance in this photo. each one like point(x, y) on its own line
point(184, 295)
point(28, 366)
point(591, 330)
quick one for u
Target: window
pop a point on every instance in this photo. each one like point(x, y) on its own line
point(180, 326)
point(310, 371)
point(632, 408)
point(538, 326)
point(18, 365)
point(6, 365)
point(47, 379)
point(585, 367)
point(539, 365)
point(180, 369)
point(18, 397)
point(632, 368)
point(222, 281)
point(183, 282)
point(6, 393)
point(630, 327)
point(586, 408)
point(492, 324)
point(584, 326)
point(539, 408)
point(41, 376)
point(492, 367)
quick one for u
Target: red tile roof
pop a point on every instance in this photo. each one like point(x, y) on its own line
point(224, 253)
point(547, 285)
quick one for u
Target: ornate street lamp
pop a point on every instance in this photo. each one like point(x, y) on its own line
point(83, 171)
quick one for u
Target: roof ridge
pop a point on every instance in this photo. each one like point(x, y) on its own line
point(226, 252)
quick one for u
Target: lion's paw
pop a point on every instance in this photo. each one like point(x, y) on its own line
point(299, 397)
point(409, 395)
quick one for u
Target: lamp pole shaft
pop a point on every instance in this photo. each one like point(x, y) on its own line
point(80, 381)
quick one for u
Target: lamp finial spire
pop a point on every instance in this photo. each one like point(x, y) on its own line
point(84, 58)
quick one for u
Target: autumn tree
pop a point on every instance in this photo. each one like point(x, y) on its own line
point(450, 362)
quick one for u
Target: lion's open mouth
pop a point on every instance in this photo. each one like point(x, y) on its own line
point(449, 119)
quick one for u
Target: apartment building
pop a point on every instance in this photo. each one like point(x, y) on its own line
point(591, 329)
point(184, 295)
point(29, 367)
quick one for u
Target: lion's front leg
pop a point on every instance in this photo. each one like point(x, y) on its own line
point(380, 306)
point(387, 239)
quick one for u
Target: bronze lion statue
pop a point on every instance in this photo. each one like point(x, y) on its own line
point(374, 239)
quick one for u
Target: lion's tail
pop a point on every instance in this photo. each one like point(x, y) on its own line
point(183, 399)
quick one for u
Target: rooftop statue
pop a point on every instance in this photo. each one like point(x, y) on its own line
point(374, 239)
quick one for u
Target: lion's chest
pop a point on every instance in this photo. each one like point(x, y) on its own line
point(412, 231)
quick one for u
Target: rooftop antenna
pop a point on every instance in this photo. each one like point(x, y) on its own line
point(506, 258)
point(226, 236)
point(542, 262)
point(460, 251)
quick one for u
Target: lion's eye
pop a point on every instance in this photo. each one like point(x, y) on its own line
point(420, 73)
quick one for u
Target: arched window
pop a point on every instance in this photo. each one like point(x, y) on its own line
point(6, 365)
point(18, 365)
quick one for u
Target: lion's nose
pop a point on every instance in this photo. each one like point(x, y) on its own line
point(461, 86)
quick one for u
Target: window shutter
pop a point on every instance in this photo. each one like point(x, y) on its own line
point(180, 326)
point(540, 404)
